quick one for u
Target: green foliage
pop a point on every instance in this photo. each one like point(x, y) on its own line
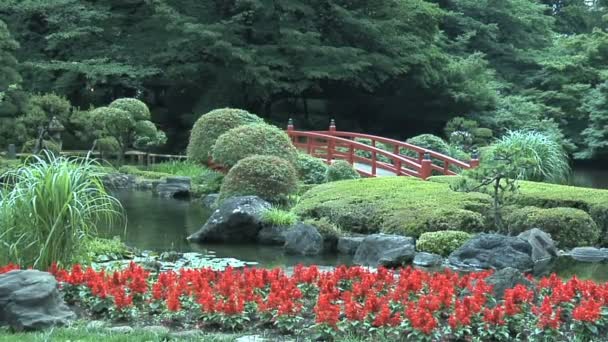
point(310, 170)
point(429, 142)
point(137, 109)
point(7, 165)
point(54, 204)
point(279, 218)
point(40, 112)
point(466, 134)
point(596, 135)
point(401, 205)
point(341, 170)
point(113, 249)
point(255, 139)
point(179, 168)
point(133, 170)
point(211, 126)
point(570, 227)
point(442, 242)
point(269, 177)
point(30, 145)
point(328, 230)
point(11, 99)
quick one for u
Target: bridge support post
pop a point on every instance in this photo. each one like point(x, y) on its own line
point(426, 168)
point(474, 162)
point(12, 152)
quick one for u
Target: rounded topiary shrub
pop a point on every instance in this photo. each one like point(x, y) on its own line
point(341, 170)
point(210, 126)
point(269, 177)
point(442, 242)
point(311, 170)
point(429, 142)
point(138, 110)
point(256, 139)
point(569, 227)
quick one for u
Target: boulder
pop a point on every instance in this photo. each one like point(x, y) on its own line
point(303, 239)
point(543, 247)
point(348, 244)
point(589, 254)
point(424, 259)
point(485, 251)
point(174, 187)
point(507, 278)
point(238, 219)
point(272, 235)
point(118, 180)
point(30, 300)
point(385, 250)
point(210, 201)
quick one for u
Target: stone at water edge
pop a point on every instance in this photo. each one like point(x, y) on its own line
point(303, 239)
point(424, 259)
point(210, 201)
point(174, 187)
point(589, 254)
point(385, 250)
point(238, 219)
point(543, 247)
point(272, 235)
point(507, 278)
point(30, 300)
point(493, 251)
point(348, 244)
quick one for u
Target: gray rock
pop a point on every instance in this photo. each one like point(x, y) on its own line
point(385, 250)
point(348, 244)
point(156, 329)
point(485, 251)
point(174, 187)
point(543, 247)
point(123, 329)
point(118, 180)
point(186, 334)
point(30, 300)
point(507, 278)
point(303, 239)
point(210, 201)
point(272, 235)
point(589, 254)
point(96, 325)
point(238, 219)
point(424, 259)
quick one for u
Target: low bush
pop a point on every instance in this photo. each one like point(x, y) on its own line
point(110, 249)
point(210, 126)
point(179, 168)
point(429, 142)
point(311, 170)
point(271, 178)
point(135, 171)
point(256, 139)
point(328, 230)
point(279, 217)
point(209, 181)
point(442, 242)
point(568, 226)
point(401, 205)
point(30, 145)
point(341, 170)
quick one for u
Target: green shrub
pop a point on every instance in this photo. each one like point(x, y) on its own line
point(111, 249)
point(482, 136)
point(328, 230)
point(28, 146)
point(311, 170)
point(271, 178)
point(179, 168)
point(429, 142)
point(54, 205)
point(139, 111)
point(442, 242)
point(210, 126)
point(568, 226)
point(279, 218)
point(341, 170)
point(401, 205)
point(255, 139)
point(133, 170)
point(209, 180)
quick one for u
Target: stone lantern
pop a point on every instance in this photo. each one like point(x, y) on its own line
point(55, 129)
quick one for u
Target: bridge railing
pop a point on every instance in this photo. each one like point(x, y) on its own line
point(419, 162)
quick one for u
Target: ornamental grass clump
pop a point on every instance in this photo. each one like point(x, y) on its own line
point(279, 218)
point(54, 204)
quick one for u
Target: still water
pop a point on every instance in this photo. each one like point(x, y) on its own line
point(159, 224)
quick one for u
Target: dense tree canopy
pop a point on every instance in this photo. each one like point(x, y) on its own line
point(392, 67)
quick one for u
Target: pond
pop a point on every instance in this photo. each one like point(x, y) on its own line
point(159, 225)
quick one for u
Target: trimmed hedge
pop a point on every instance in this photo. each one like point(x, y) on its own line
point(568, 226)
point(429, 142)
point(401, 205)
point(269, 177)
point(138, 110)
point(341, 170)
point(311, 170)
point(255, 139)
point(442, 242)
point(210, 126)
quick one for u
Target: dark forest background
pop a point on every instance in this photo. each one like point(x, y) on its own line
point(391, 67)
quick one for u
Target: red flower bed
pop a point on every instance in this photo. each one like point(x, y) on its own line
point(442, 306)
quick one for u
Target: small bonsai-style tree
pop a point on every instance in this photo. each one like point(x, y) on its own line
point(127, 121)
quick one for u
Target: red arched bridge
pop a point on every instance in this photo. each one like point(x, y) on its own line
point(374, 156)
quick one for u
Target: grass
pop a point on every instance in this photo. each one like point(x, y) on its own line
point(179, 168)
point(79, 334)
point(54, 204)
point(400, 205)
point(279, 218)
